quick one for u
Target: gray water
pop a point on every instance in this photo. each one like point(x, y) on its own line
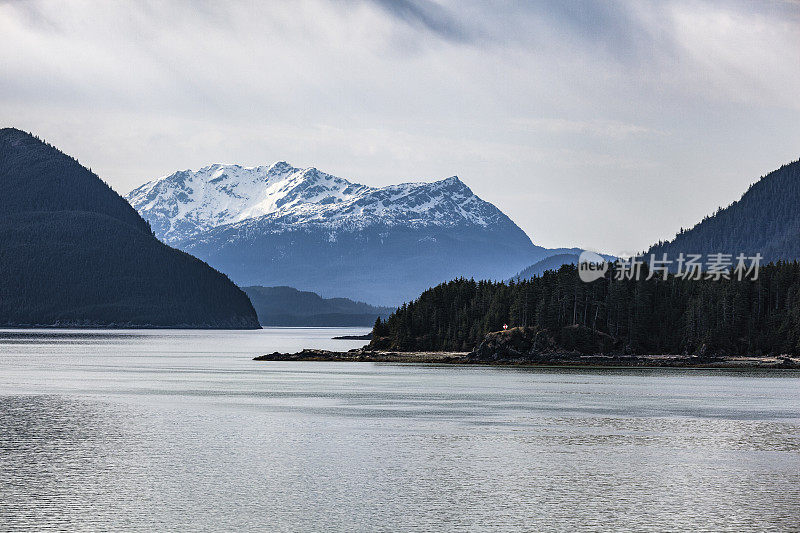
point(180, 430)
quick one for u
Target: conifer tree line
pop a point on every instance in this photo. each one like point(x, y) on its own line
point(636, 316)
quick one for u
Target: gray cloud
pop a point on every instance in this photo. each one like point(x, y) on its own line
point(608, 25)
point(428, 15)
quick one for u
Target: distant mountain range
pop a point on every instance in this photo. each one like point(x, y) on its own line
point(281, 225)
point(286, 306)
point(765, 220)
point(75, 253)
point(554, 262)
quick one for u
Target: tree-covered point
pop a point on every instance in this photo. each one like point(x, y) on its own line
point(655, 316)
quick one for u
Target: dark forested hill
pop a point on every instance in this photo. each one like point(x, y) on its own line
point(38, 177)
point(75, 253)
point(653, 316)
point(765, 220)
point(286, 306)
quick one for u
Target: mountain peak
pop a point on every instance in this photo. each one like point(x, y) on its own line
point(281, 166)
point(281, 225)
point(453, 182)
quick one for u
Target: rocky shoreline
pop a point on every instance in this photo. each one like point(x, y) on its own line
point(565, 359)
point(364, 355)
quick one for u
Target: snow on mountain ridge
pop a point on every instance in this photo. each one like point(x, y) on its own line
point(186, 202)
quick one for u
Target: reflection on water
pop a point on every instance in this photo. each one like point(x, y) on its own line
point(180, 430)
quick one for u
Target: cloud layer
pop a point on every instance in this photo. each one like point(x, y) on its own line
point(605, 124)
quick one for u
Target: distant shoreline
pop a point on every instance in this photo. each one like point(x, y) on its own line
point(365, 337)
point(556, 360)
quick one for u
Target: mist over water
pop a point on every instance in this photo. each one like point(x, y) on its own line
point(180, 430)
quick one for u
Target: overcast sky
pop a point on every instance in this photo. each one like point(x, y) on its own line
point(606, 124)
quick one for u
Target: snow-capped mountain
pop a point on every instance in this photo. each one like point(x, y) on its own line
point(281, 225)
point(187, 203)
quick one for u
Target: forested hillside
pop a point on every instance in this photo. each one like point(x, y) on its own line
point(765, 220)
point(611, 316)
point(75, 253)
point(37, 177)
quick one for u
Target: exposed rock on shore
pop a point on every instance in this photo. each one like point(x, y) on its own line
point(361, 354)
point(536, 344)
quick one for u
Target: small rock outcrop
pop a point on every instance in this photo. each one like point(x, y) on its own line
point(532, 343)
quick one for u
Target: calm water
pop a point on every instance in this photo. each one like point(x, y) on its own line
point(180, 430)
